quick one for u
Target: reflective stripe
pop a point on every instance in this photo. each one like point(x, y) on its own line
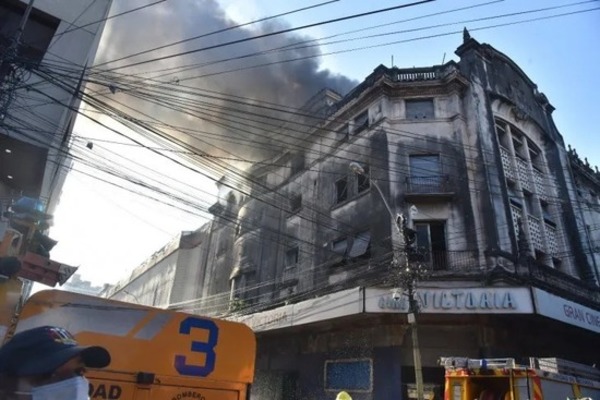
point(154, 326)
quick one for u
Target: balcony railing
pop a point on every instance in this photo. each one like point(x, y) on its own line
point(431, 185)
point(445, 260)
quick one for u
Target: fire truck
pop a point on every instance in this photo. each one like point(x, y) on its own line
point(155, 353)
point(509, 379)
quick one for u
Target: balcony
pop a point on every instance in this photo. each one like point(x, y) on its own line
point(429, 187)
point(445, 260)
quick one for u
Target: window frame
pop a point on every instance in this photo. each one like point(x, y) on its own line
point(363, 180)
point(417, 117)
point(328, 362)
point(288, 251)
point(436, 256)
point(423, 179)
point(360, 126)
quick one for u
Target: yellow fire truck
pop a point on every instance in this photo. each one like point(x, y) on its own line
point(506, 379)
point(155, 353)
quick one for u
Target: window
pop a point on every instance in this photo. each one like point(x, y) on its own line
point(354, 375)
point(513, 193)
point(363, 180)
point(535, 155)
point(361, 121)
point(425, 173)
point(291, 257)
point(523, 164)
point(38, 33)
point(431, 243)
point(419, 109)
point(547, 212)
point(341, 189)
point(531, 203)
point(295, 203)
point(342, 133)
point(297, 163)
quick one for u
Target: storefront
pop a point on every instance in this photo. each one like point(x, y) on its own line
point(359, 339)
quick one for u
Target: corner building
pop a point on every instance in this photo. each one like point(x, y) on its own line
point(503, 213)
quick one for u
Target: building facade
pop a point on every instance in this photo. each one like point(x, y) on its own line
point(78, 285)
point(39, 79)
point(503, 220)
point(45, 48)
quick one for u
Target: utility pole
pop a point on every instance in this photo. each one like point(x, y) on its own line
point(10, 74)
point(409, 274)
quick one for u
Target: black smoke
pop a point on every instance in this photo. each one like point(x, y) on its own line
point(223, 131)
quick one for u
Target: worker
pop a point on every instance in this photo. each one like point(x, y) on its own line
point(47, 363)
point(343, 396)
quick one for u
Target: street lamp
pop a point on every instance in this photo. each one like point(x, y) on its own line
point(408, 277)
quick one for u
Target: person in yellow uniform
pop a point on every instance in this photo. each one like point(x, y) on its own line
point(47, 363)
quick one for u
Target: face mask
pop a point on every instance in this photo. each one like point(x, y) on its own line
point(69, 389)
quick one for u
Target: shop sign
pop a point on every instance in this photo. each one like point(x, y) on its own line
point(334, 305)
point(566, 311)
point(453, 301)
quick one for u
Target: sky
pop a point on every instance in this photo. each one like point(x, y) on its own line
point(107, 230)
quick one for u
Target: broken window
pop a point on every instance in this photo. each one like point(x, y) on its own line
point(419, 109)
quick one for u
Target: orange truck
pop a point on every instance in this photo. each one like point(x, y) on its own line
point(505, 379)
point(156, 354)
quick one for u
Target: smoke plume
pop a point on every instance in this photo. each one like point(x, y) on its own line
point(219, 128)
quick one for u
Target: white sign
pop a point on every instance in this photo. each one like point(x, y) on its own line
point(453, 301)
point(334, 305)
point(566, 311)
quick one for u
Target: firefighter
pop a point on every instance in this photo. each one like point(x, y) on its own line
point(47, 363)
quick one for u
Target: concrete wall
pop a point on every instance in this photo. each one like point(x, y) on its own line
point(46, 105)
